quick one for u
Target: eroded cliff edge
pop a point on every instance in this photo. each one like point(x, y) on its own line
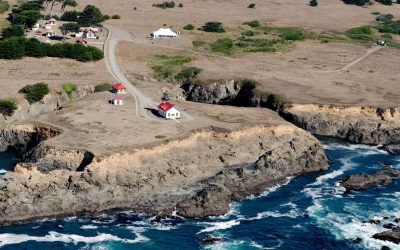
point(197, 176)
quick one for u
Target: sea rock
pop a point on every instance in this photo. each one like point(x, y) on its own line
point(210, 240)
point(393, 149)
point(390, 235)
point(359, 182)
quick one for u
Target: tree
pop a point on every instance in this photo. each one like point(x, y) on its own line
point(314, 3)
point(90, 16)
point(66, 3)
point(13, 30)
point(69, 27)
point(213, 27)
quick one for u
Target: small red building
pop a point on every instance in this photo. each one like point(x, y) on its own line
point(168, 111)
point(119, 88)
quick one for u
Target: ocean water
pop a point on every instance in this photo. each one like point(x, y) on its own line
point(306, 212)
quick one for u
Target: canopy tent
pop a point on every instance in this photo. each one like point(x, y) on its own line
point(163, 33)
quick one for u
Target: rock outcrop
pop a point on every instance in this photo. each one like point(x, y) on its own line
point(197, 176)
point(390, 235)
point(355, 124)
point(359, 182)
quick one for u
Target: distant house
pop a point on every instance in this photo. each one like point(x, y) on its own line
point(168, 111)
point(88, 32)
point(119, 88)
point(116, 100)
point(163, 33)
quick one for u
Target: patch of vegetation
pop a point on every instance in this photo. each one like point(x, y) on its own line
point(8, 107)
point(384, 18)
point(103, 87)
point(187, 74)
point(115, 17)
point(13, 31)
point(198, 43)
point(35, 93)
point(223, 45)
point(248, 33)
point(385, 2)
point(69, 88)
point(164, 66)
point(290, 34)
point(18, 47)
point(360, 33)
point(313, 3)
point(376, 13)
point(27, 13)
point(253, 24)
point(165, 5)
point(4, 6)
point(213, 27)
point(180, 5)
point(70, 16)
point(251, 6)
point(357, 2)
point(188, 27)
point(90, 16)
point(386, 24)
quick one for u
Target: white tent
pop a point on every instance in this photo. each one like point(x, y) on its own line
point(163, 33)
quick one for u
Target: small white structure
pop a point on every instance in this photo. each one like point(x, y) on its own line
point(163, 33)
point(36, 27)
point(381, 43)
point(48, 26)
point(88, 32)
point(52, 21)
point(117, 100)
point(50, 33)
point(167, 110)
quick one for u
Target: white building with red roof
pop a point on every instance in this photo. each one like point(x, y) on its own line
point(119, 88)
point(168, 111)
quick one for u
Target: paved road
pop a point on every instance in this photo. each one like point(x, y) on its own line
point(143, 103)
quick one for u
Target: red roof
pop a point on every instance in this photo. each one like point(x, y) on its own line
point(165, 106)
point(118, 86)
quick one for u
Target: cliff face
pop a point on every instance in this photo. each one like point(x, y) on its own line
point(354, 124)
point(199, 176)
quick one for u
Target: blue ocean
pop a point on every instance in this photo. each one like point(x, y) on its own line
point(306, 212)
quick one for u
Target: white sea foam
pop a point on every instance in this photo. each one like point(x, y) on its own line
point(138, 233)
point(3, 171)
point(88, 227)
point(366, 149)
point(291, 214)
point(259, 246)
point(223, 245)
point(221, 225)
point(271, 189)
point(9, 239)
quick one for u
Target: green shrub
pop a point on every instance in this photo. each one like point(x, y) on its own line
point(248, 33)
point(187, 74)
point(291, 34)
point(106, 17)
point(35, 93)
point(313, 3)
point(222, 45)
point(102, 87)
point(4, 6)
point(198, 43)
point(262, 49)
point(70, 16)
point(90, 16)
point(8, 107)
point(376, 13)
point(163, 65)
point(384, 18)
point(69, 88)
point(251, 6)
point(188, 27)
point(180, 5)
point(253, 24)
point(13, 30)
point(115, 17)
point(213, 27)
point(357, 2)
point(360, 33)
point(385, 2)
point(165, 5)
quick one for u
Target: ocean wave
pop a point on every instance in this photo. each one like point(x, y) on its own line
point(270, 189)
point(10, 239)
point(259, 246)
point(89, 227)
point(293, 213)
point(366, 149)
point(221, 225)
point(3, 171)
point(223, 245)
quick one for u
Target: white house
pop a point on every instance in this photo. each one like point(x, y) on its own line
point(163, 33)
point(167, 110)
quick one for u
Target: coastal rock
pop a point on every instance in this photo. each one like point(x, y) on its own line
point(393, 149)
point(186, 176)
point(390, 235)
point(215, 92)
point(359, 182)
point(355, 124)
point(210, 240)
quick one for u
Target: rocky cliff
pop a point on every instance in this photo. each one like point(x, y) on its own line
point(366, 125)
point(197, 176)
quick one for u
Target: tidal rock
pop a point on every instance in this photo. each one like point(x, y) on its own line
point(210, 240)
point(359, 182)
point(393, 149)
point(390, 235)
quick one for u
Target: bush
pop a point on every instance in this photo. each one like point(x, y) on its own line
point(314, 3)
point(106, 17)
point(90, 16)
point(164, 65)
point(165, 5)
point(8, 107)
point(35, 93)
point(180, 5)
point(188, 27)
point(4, 6)
point(222, 45)
point(187, 74)
point(291, 34)
point(251, 6)
point(18, 47)
point(384, 18)
point(70, 16)
point(360, 33)
point(376, 13)
point(115, 17)
point(69, 88)
point(213, 27)
point(253, 24)
point(102, 87)
point(385, 2)
point(13, 30)
point(198, 43)
point(248, 33)
point(357, 2)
